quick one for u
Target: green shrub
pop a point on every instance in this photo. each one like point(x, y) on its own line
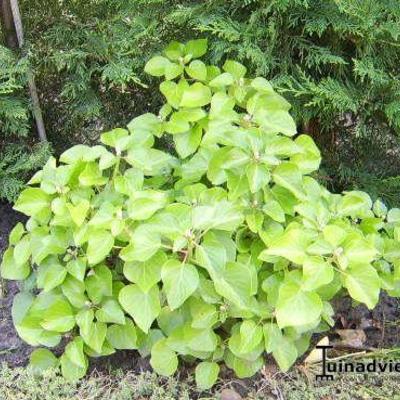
point(18, 157)
point(222, 253)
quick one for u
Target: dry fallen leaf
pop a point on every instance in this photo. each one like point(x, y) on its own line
point(315, 355)
point(230, 394)
point(352, 338)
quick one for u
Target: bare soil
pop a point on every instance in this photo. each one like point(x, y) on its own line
point(13, 350)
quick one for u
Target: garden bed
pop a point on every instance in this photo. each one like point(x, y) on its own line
point(381, 326)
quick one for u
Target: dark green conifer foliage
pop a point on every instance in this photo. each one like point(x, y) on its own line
point(18, 154)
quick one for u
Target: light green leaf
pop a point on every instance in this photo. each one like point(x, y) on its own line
point(334, 234)
point(316, 273)
point(258, 176)
point(196, 48)
point(285, 354)
point(173, 70)
point(79, 212)
point(197, 70)
point(353, 203)
point(123, 337)
point(363, 284)
point(156, 66)
point(150, 161)
point(289, 177)
point(262, 85)
point(10, 269)
point(16, 233)
point(180, 281)
point(74, 362)
point(110, 312)
point(50, 274)
point(206, 374)
point(74, 291)
point(223, 215)
point(174, 50)
point(309, 158)
point(243, 368)
point(176, 124)
point(144, 244)
point(74, 154)
point(197, 95)
point(172, 92)
point(131, 181)
point(187, 340)
point(308, 305)
point(211, 255)
point(45, 243)
point(237, 283)
point(26, 314)
point(92, 176)
point(280, 121)
point(320, 247)
point(358, 251)
point(143, 204)
point(70, 371)
point(393, 215)
point(251, 335)
point(107, 160)
point(188, 142)
point(74, 351)
point(235, 69)
point(225, 79)
point(204, 315)
point(112, 137)
point(95, 336)
point(146, 274)
point(98, 283)
point(144, 307)
point(59, 316)
point(22, 250)
point(163, 360)
point(145, 125)
point(32, 202)
point(77, 268)
point(191, 114)
point(274, 210)
point(379, 208)
point(291, 245)
point(84, 320)
point(272, 336)
point(41, 360)
point(99, 247)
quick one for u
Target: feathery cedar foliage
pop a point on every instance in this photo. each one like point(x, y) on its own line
point(18, 156)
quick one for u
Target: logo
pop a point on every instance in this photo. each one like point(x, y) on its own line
point(331, 367)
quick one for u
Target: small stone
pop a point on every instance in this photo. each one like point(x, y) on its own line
point(230, 394)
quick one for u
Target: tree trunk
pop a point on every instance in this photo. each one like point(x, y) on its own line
point(7, 24)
